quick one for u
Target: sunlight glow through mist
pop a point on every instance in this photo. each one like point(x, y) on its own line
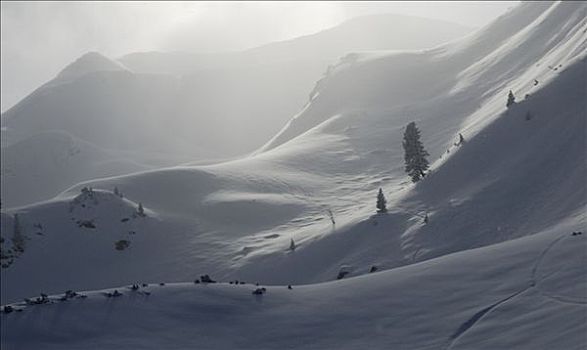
point(40, 38)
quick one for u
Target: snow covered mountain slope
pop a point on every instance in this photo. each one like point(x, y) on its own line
point(462, 77)
point(192, 90)
point(528, 293)
point(45, 164)
point(316, 182)
point(195, 106)
point(106, 109)
point(519, 174)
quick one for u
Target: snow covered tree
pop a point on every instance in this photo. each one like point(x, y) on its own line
point(141, 210)
point(511, 99)
point(415, 154)
point(17, 237)
point(292, 245)
point(381, 202)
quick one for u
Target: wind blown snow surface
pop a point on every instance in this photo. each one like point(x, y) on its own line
point(498, 265)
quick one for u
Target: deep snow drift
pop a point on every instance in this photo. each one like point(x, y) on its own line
point(515, 190)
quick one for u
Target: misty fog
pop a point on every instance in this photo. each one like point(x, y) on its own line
point(165, 84)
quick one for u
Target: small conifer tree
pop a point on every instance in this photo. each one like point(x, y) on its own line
point(141, 210)
point(511, 99)
point(381, 202)
point(292, 245)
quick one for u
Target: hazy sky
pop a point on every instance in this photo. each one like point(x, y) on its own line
point(40, 38)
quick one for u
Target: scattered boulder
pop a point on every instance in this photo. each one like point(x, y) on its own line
point(121, 244)
point(341, 275)
point(259, 291)
point(344, 270)
point(7, 309)
point(206, 279)
point(69, 294)
point(373, 269)
point(86, 223)
point(43, 299)
point(114, 294)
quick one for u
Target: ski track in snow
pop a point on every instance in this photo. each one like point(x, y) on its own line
point(468, 324)
point(534, 283)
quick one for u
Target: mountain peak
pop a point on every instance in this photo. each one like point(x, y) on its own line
point(88, 63)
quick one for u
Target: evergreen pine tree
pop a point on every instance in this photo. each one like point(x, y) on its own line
point(415, 154)
point(381, 202)
point(511, 99)
point(292, 245)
